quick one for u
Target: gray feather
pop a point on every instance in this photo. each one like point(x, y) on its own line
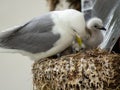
point(35, 36)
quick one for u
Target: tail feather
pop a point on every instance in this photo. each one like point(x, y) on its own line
point(8, 31)
point(3, 35)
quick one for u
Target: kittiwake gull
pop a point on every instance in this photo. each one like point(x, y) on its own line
point(49, 34)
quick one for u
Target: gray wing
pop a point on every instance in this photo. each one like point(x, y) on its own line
point(35, 36)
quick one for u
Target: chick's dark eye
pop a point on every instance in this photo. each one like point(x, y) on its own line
point(95, 26)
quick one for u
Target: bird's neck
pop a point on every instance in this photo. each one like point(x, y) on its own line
point(89, 32)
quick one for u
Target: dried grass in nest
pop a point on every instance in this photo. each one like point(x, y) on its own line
point(91, 70)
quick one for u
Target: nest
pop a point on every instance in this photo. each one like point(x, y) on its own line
point(91, 70)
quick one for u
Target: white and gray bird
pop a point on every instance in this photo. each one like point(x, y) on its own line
point(51, 33)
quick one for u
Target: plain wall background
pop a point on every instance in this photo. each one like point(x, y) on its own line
point(15, 69)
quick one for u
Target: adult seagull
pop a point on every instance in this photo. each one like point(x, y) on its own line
point(51, 33)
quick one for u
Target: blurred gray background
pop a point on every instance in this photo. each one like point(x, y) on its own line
point(15, 69)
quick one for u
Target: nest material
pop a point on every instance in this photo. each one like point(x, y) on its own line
point(91, 70)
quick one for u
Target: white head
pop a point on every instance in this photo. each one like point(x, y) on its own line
point(95, 24)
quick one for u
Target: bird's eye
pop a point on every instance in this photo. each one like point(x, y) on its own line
point(95, 26)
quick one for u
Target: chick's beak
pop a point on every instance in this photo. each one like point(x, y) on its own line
point(103, 28)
